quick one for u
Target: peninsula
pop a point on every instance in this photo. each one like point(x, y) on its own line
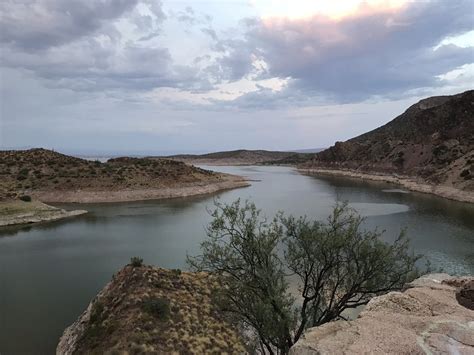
point(50, 177)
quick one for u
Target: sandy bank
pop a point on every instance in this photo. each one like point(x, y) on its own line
point(16, 212)
point(406, 182)
point(124, 195)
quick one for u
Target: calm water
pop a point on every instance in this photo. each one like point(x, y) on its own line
point(49, 273)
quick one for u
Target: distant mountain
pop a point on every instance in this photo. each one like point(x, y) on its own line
point(241, 157)
point(311, 150)
point(432, 140)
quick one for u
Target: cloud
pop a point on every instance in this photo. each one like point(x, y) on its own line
point(80, 45)
point(122, 45)
point(36, 25)
point(372, 52)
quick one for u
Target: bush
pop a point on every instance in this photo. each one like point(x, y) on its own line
point(136, 261)
point(337, 266)
point(24, 172)
point(96, 312)
point(176, 272)
point(157, 307)
point(25, 198)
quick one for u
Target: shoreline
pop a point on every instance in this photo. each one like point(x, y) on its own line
point(408, 183)
point(18, 213)
point(130, 195)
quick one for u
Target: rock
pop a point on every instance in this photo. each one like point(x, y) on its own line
point(465, 295)
point(424, 319)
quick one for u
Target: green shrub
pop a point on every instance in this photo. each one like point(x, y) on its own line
point(96, 312)
point(157, 307)
point(24, 172)
point(176, 272)
point(25, 198)
point(338, 265)
point(136, 261)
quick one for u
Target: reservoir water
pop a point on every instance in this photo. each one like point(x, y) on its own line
point(50, 272)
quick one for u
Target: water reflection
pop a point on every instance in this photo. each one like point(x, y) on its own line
point(49, 272)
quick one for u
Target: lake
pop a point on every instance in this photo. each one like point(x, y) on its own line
point(50, 272)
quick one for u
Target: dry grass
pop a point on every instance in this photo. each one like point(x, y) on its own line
point(182, 317)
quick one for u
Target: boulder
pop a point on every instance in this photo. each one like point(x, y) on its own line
point(432, 316)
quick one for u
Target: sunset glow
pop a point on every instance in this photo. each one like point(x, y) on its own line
point(296, 9)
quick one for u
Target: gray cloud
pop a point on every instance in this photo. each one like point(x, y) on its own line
point(76, 45)
point(359, 56)
point(35, 25)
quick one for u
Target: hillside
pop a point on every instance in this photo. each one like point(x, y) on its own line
point(53, 177)
point(145, 309)
point(242, 157)
point(432, 141)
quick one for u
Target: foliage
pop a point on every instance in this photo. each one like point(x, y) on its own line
point(135, 261)
point(157, 307)
point(337, 265)
point(25, 198)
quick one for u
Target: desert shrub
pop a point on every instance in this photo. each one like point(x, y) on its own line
point(136, 261)
point(176, 272)
point(25, 198)
point(23, 174)
point(96, 312)
point(337, 266)
point(157, 307)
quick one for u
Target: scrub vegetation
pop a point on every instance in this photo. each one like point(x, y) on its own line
point(337, 264)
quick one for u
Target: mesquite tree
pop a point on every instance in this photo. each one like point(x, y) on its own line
point(337, 264)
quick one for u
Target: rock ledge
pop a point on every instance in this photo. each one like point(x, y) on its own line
point(424, 319)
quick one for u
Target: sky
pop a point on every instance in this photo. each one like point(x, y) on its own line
point(165, 76)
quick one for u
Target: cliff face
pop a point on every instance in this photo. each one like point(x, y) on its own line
point(433, 140)
point(430, 317)
point(151, 310)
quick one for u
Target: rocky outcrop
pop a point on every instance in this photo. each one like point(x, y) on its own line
point(433, 316)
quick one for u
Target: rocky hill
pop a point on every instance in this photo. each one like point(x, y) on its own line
point(53, 177)
point(435, 315)
point(148, 310)
point(432, 141)
point(242, 157)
